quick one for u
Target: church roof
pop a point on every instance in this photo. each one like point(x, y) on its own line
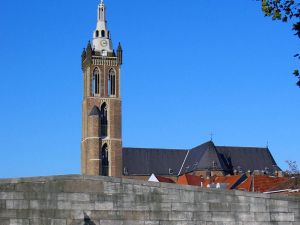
point(207, 156)
point(248, 158)
point(145, 161)
point(203, 157)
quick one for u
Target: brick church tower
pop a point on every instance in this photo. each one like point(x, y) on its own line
point(101, 144)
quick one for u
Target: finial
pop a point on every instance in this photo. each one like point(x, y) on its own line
point(211, 136)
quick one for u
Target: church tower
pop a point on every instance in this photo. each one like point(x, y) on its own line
point(101, 144)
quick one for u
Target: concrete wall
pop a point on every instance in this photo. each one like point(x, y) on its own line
point(88, 200)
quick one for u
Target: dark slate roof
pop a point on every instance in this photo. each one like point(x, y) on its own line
point(95, 111)
point(247, 158)
point(203, 157)
point(145, 161)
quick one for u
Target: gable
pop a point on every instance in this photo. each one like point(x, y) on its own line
point(203, 157)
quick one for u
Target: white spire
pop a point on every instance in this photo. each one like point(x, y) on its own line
point(101, 40)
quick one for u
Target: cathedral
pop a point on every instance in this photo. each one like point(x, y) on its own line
point(102, 152)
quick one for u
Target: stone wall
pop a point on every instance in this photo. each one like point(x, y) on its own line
point(89, 200)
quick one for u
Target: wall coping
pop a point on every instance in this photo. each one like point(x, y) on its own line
point(43, 179)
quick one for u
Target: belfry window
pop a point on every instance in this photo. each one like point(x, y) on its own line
point(96, 82)
point(105, 161)
point(111, 83)
point(97, 33)
point(103, 115)
point(102, 33)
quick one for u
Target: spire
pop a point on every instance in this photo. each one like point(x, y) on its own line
point(101, 11)
point(119, 47)
point(101, 38)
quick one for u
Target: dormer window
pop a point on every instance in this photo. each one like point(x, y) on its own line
point(125, 171)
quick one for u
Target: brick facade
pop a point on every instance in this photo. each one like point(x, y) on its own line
point(93, 139)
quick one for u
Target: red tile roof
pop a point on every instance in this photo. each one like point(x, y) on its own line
point(245, 185)
point(261, 183)
point(165, 179)
point(290, 183)
point(190, 180)
point(230, 180)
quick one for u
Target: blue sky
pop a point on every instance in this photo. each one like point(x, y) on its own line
point(190, 68)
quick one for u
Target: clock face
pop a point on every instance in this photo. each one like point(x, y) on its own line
point(103, 43)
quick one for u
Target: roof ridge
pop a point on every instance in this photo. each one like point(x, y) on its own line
point(223, 146)
point(176, 149)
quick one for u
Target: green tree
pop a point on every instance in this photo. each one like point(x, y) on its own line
point(284, 10)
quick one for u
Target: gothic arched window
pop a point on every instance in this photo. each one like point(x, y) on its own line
point(102, 33)
point(112, 82)
point(96, 82)
point(105, 161)
point(97, 33)
point(103, 115)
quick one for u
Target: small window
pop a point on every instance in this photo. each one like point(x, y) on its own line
point(214, 165)
point(97, 33)
point(125, 171)
point(103, 33)
point(104, 53)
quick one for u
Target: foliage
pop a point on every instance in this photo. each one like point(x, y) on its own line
point(293, 168)
point(285, 10)
point(294, 172)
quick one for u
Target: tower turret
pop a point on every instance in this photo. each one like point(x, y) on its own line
point(120, 54)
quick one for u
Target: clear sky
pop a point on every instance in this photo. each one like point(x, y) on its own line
point(191, 68)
